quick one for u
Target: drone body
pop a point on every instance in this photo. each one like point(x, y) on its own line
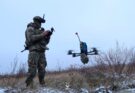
point(83, 52)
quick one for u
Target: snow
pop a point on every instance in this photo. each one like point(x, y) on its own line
point(102, 89)
point(128, 91)
point(41, 90)
point(52, 90)
point(2, 90)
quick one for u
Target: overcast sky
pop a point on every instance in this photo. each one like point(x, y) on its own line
point(100, 23)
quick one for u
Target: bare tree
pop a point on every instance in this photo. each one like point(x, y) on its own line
point(116, 63)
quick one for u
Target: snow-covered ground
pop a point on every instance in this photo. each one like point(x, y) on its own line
point(2, 90)
point(127, 91)
point(41, 90)
point(52, 90)
point(102, 89)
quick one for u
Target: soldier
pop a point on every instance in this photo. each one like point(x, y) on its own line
point(36, 41)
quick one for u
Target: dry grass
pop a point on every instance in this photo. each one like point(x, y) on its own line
point(86, 77)
point(61, 80)
point(10, 81)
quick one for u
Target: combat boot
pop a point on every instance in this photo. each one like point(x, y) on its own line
point(29, 83)
point(42, 83)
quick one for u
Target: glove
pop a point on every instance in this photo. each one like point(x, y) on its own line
point(49, 33)
point(45, 33)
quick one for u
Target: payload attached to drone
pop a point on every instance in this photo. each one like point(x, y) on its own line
point(83, 51)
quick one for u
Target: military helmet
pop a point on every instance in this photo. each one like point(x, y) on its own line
point(39, 19)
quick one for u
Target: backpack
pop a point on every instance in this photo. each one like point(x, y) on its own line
point(27, 44)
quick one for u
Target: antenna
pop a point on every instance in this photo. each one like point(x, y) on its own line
point(78, 37)
point(43, 16)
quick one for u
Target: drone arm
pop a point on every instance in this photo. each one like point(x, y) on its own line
point(76, 54)
point(93, 52)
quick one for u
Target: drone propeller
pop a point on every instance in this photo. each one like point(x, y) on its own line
point(97, 51)
point(70, 52)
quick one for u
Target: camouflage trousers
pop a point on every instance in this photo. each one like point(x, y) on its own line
point(36, 63)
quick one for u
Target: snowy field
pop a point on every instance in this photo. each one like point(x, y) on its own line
point(127, 91)
point(41, 90)
point(2, 90)
point(51, 90)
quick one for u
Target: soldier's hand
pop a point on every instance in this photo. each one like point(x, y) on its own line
point(45, 33)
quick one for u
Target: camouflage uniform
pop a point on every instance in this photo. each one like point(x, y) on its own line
point(36, 43)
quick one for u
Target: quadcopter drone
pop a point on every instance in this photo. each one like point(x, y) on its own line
point(83, 51)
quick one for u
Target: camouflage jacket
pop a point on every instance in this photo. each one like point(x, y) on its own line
point(34, 40)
